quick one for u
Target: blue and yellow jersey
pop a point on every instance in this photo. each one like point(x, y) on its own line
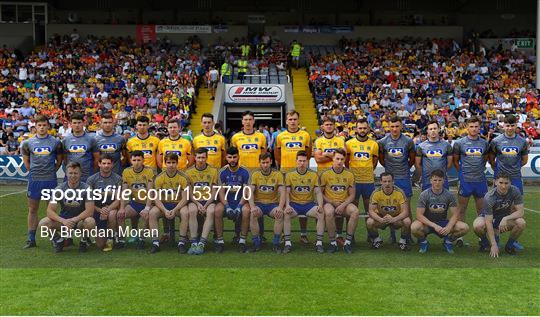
point(290, 144)
point(336, 185)
point(207, 176)
point(137, 181)
point(180, 146)
point(328, 145)
point(249, 146)
point(215, 144)
point(266, 186)
point(176, 184)
point(388, 204)
point(302, 186)
point(361, 157)
point(148, 146)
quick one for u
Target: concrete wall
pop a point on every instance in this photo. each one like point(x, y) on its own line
point(17, 35)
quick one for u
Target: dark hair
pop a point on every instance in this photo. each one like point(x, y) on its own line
point(143, 119)
point(395, 119)
point(137, 153)
point(436, 173)
point(362, 120)
point(74, 164)
point(265, 156)
point(292, 113)
point(232, 150)
point(107, 115)
point(207, 115)
point(41, 118)
point(105, 156)
point(340, 151)
point(433, 122)
point(248, 113)
point(510, 119)
point(473, 119)
point(171, 156)
point(328, 119)
point(383, 174)
point(76, 116)
point(301, 153)
point(174, 121)
point(502, 175)
point(201, 150)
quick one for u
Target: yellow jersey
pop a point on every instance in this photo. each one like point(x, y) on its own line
point(215, 144)
point(328, 145)
point(336, 185)
point(176, 183)
point(290, 144)
point(302, 186)
point(207, 176)
point(138, 181)
point(266, 186)
point(388, 204)
point(361, 157)
point(148, 146)
point(180, 146)
point(250, 146)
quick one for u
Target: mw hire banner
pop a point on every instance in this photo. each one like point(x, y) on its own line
point(260, 93)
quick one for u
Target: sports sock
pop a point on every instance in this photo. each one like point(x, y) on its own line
point(332, 241)
point(257, 240)
point(484, 240)
point(32, 235)
point(183, 239)
point(373, 235)
point(319, 237)
point(510, 242)
point(242, 239)
point(194, 241)
point(277, 237)
point(155, 242)
point(349, 239)
point(447, 239)
point(203, 241)
point(303, 233)
point(422, 240)
point(319, 242)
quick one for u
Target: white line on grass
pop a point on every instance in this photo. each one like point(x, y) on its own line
point(15, 193)
point(535, 211)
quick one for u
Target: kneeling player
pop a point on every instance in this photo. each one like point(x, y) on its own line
point(74, 213)
point(204, 179)
point(503, 212)
point(268, 199)
point(233, 178)
point(105, 213)
point(302, 184)
point(432, 215)
point(170, 203)
point(139, 179)
point(388, 208)
point(339, 193)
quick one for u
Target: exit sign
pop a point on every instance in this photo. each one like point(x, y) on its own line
point(525, 43)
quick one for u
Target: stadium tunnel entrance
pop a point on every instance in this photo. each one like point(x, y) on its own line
point(269, 114)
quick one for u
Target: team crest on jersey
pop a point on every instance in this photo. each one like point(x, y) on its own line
point(293, 145)
point(266, 188)
point(202, 184)
point(77, 148)
point(215, 142)
point(302, 189)
point(175, 152)
point(437, 207)
point(503, 205)
point(211, 149)
point(396, 152)
point(74, 203)
point(474, 151)
point(250, 146)
point(510, 150)
point(389, 209)
point(108, 148)
point(434, 153)
point(361, 156)
point(329, 150)
point(42, 150)
point(137, 186)
point(338, 188)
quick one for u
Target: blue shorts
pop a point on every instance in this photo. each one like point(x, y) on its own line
point(468, 189)
point(35, 188)
point(441, 223)
point(364, 189)
point(496, 220)
point(427, 185)
point(170, 206)
point(302, 209)
point(100, 223)
point(266, 208)
point(138, 207)
point(233, 214)
point(518, 182)
point(405, 185)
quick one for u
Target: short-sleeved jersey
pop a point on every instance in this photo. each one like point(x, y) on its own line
point(290, 144)
point(362, 154)
point(215, 144)
point(434, 156)
point(81, 149)
point(472, 158)
point(207, 176)
point(174, 184)
point(396, 155)
point(388, 204)
point(302, 185)
point(328, 145)
point(266, 186)
point(336, 185)
point(113, 145)
point(148, 146)
point(239, 177)
point(436, 205)
point(72, 207)
point(42, 153)
point(500, 205)
point(137, 181)
point(98, 181)
point(180, 146)
point(508, 153)
point(249, 146)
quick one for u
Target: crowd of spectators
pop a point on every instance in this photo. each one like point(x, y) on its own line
point(421, 80)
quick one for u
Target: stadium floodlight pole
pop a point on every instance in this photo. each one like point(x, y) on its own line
point(537, 46)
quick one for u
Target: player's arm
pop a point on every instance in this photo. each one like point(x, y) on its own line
point(282, 197)
point(149, 186)
point(490, 231)
point(350, 198)
point(454, 218)
point(159, 156)
point(213, 188)
point(524, 159)
point(456, 157)
point(492, 154)
point(95, 157)
point(321, 157)
point(381, 154)
point(252, 197)
point(423, 219)
point(287, 197)
point(418, 165)
point(89, 207)
point(412, 156)
point(449, 161)
point(123, 202)
point(190, 159)
point(52, 212)
point(518, 212)
point(404, 212)
point(308, 149)
point(59, 160)
point(373, 212)
point(277, 155)
point(319, 197)
point(183, 201)
point(26, 160)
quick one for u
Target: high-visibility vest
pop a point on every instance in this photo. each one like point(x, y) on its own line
point(296, 50)
point(242, 66)
point(245, 49)
point(225, 69)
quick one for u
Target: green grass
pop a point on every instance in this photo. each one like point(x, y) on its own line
point(382, 282)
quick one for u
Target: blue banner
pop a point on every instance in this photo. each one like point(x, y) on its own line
point(12, 168)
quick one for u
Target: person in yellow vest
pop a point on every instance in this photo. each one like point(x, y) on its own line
point(245, 50)
point(242, 68)
point(296, 50)
point(226, 72)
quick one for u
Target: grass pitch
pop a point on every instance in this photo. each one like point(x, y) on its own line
point(368, 282)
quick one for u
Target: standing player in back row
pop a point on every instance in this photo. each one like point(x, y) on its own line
point(109, 142)
point(250, 143)
point(144, 142)
point(288, 143)
point(80, 147)
point(212, 141)
point(42, 156)
point(509, 152)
